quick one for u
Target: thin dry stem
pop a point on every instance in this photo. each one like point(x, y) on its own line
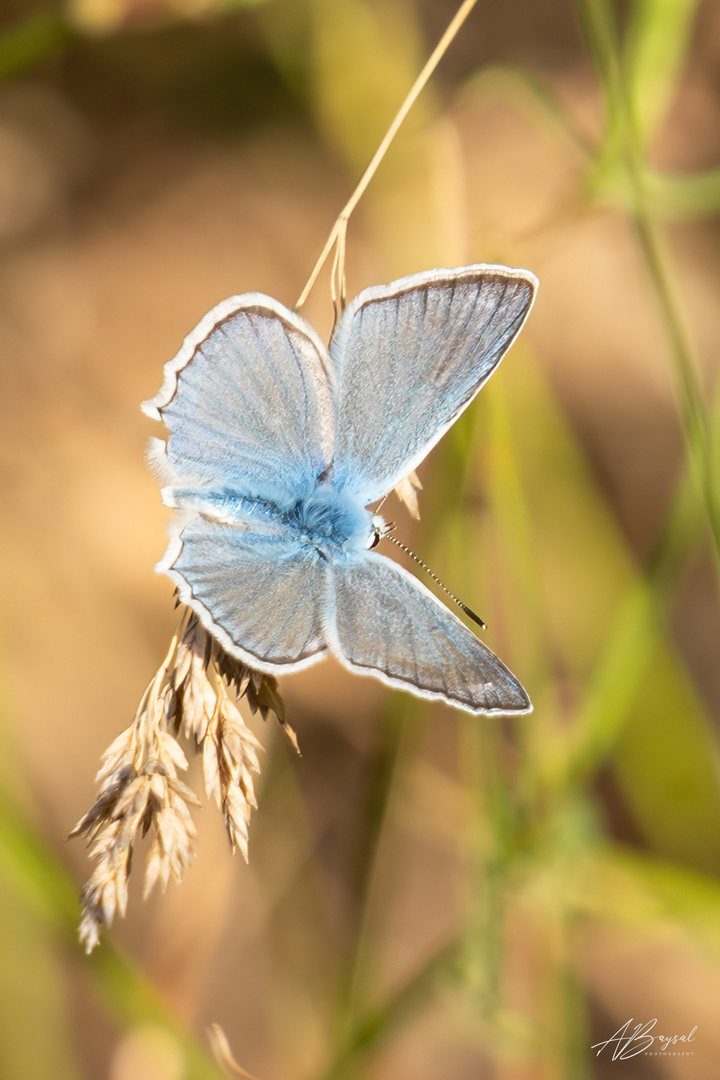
point(222, 1053)
point(336, 239)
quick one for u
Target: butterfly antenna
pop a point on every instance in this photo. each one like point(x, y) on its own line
point(387, 535)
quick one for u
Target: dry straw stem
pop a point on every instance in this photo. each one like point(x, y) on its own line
point(140, 792)
point(336, 239)
point(223, 1054)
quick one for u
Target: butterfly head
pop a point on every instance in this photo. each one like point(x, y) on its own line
point(379, 529)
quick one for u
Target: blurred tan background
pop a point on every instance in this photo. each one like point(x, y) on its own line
point(158, 157)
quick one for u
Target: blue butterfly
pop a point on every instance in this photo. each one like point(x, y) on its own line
point(277, 446)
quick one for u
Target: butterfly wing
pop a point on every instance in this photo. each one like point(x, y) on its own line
point(389, 625)
point(261, 595)
point(249, 403)
point(410, 356)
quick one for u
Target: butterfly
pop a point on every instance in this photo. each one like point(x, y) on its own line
point(277, 447)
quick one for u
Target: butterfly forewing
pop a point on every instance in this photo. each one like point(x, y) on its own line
point(410, 357)
point(263, 596)
point(249, 402)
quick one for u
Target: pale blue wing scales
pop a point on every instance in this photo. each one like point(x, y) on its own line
point(249, 402)
point(410, 356)
point(389, 625)
point(263, 596)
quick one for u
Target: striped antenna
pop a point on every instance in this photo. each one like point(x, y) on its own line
point(387, 535)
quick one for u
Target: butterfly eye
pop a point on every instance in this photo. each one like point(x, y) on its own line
point(379, 528)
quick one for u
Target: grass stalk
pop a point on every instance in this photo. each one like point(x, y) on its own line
point(623, 157)
point(49, 891)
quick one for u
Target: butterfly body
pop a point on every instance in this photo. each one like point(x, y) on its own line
point(277, 448)
point(333, 521)
point(328, 519)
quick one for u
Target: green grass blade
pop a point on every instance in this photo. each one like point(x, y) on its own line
point(30, 42)
point(623, 153)
point(655, 52)
point(692, 196)
point(30, 866)
point(640, 890)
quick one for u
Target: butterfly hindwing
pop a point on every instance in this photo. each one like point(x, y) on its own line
point(387, 624)
point(263, 596)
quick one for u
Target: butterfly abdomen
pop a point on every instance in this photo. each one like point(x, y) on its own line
point(223, 505)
